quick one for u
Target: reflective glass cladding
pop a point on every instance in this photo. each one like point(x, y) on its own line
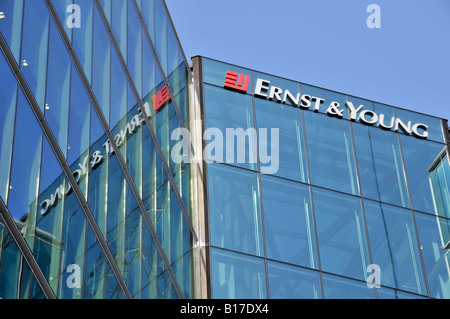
point(85, 168)
point(350, 194)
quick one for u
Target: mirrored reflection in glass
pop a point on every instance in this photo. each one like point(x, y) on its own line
point(214, 72)
point(82, 37)
point(395, 247)
point(16, 278)
point(11, 25)
point(341, 233)
point(381, 168)
point(8, 92)
point(342, 288)
point(234, 211)
point(440, 184)
point(289, 282)
point(435, 127)
point(331, 154)
point(419, 155)
point(237, 276)
point(431, 231)
point(291, 158)
point(229, 135)
point(386, 293)
point(288, 221)
point(321, 99)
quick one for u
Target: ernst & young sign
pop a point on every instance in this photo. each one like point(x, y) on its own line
point(263, 89)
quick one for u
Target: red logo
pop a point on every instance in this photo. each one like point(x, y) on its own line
point(160, 98)
point(236, 81)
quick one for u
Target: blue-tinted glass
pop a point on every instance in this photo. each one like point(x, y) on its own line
point(58, 86)
point(386, 293)
point(341, 288)
point(321, 99)
point(435, 257)
point(269, 88)
point(237, 276)
point(148, 70)
point(34, 47)
point(8, 92)
point(381, 168)
point(230, 134)
point(286, 157)
point(82, 37)
point(419, 155)
point(118, 91)
point(235, 221)
point(134, 47)
point(23, 189)
point(148, 13)
point(214, 72)
point(106, 5)
point(65, 14)
point(119, 24)
point(395, 247)
point(288, 220)
point(11, 24)
point(289, 282)
point(341, 233)
point(330, 151)
point(440, 183)
point(435, 127)
point(102, 62)
point(378, 108)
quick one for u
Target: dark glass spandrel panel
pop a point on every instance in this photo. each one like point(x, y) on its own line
point(230, 133)
point(341, 234)
point(285, 156)
point(381, 169)
point(435, 257)
point(24, 181)
point(214, 72)
point(56, 108)
point(288, 220)
point(33, 62)
point(320, 99)
point(11, 25)
point(83, 37)
point(342, 288)
point(419, 154)
point(237, 276)
point(8, 92)
point(435, 127)
point(102, 61)
point(290, 282)
point(395, 247)
point(331, 155)
point(234, 211)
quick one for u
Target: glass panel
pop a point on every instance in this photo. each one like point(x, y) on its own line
point(148, 13)
point(341, 288)
point(330, 151)
point(134, 47)
point(381, 167)
point(160, 39)
point(229, 126)
point(290, 161)
point(102, 62)
point(8, 92)
point(234, 211)
point(58, 86)
point(419, 155)
point(342, 238)
point(64, 12)
point(435, 257)
point(83, 37)
point(34, 49)
point(237, 276)
point(119, 24)
point(289, 282)
point(440, 183)
point(288, 220)
point(378, 108)
point(386, 293)
point(395, 247)
point(11, 25)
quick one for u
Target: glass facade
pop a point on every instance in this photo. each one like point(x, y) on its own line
point(302, 192)
point(91, 91)
point(351, 195)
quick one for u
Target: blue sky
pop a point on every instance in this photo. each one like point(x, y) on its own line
point(327, 43)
